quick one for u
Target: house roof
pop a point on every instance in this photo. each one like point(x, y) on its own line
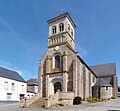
point(104, 69)
point(101, 82)
point(6, 73)
point(32, 81)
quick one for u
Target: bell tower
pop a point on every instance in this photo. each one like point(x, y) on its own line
point(61, 31)
point(56, 66)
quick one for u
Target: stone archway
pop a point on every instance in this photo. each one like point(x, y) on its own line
point(57, 86)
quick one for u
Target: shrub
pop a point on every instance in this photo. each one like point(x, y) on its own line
point(77, 100)
point(89, 99)
point(92, 100)
point(113, 97)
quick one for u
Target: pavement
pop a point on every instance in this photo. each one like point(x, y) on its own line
point(111, 105)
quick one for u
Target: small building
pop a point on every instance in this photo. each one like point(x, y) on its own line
point(32, 87)
point(12, 86)
point(107, 82)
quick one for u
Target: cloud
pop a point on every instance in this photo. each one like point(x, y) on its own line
point(8, 65)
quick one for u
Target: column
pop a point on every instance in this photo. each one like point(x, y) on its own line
point(87, 83)
point(47, 105)
point(90, 84)
point(40, 73)
point(80, 80)
point(65, 70)
point(75, 76)
point(48, 64)
point(47, 86)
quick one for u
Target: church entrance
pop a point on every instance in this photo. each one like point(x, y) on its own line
point(57, 86)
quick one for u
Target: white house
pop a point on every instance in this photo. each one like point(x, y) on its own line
point(12, 86)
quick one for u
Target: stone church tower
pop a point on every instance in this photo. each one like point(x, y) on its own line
point(60, 67)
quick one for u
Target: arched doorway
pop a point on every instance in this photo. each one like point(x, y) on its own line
point(57, 86)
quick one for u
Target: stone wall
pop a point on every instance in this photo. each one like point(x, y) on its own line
point(62, 98)
point(66, 98)
point(106, 92)
point(31, 88)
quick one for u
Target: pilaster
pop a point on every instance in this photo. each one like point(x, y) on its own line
point(75, 76)
point(65, 70)
point(90, 84)
point(47, 86)
point(48, 64)
point(40, 73)
point(80, 80)
point(86, 83)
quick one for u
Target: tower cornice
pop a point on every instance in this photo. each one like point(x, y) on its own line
point(64, 15)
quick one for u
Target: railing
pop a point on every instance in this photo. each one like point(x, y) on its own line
point(32, 100)
point(53, 99)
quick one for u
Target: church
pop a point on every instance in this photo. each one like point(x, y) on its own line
point(64, 75)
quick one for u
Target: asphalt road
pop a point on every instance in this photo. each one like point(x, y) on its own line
point(112, 105)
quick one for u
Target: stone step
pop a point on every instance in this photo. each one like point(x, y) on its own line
point(38, 103)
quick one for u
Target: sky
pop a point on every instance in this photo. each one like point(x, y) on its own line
point(24, 32)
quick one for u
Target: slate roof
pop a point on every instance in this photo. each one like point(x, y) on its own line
point(32, 81)
point(104, 69)
point(101, 82)
point(6, 73)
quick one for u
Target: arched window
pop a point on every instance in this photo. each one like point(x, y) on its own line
point(68, 27)
point(54, 29)
point(72, 32)
point(57, 61)
point(61, 27)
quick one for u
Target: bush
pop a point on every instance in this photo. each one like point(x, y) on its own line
point(113, 97)
point(77, 100)
point(92, 100)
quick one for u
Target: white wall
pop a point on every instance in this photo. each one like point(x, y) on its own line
point(14, 92)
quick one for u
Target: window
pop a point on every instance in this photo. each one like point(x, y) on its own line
point(68, 27)
point(22, 88)
point(13, 86)
point(6, 85)
point(61, 27)
point(57, 61)
point(53, 29)
point(71, 32)
point(106, 88)
point(9, 95)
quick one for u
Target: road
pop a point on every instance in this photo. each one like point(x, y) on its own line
point(112, 105)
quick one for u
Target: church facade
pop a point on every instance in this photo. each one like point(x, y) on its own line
point(61, 68)
point(62, 73)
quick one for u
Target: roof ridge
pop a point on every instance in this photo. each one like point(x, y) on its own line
point(104, 64)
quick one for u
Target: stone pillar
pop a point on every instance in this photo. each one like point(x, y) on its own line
point(75, 76)
point(65, 82)
point(65, 61)
point(80, 80)
point(48, 64)
point(86, 83)
point(40, 73)
point(90, 84)
point(65, 70)
point(115, 86)
point(47, 92)
point(47, 86)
